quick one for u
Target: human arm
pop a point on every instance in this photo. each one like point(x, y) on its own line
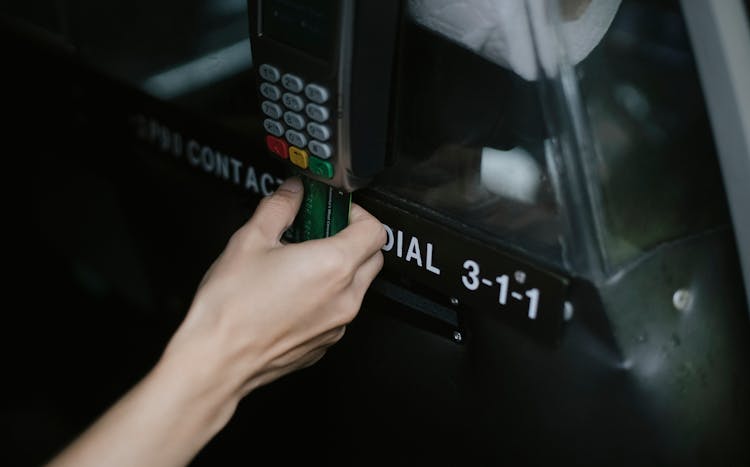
point(263, 309)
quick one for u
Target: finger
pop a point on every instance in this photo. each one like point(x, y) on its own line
point(358, 214)
point(363, 277)
point(368, 271)
point(275, 213)
point(363, 237)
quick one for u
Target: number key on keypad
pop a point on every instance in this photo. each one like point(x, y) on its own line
point(296, 138)
point(319, 149)
point(269, 91)
point(292, 82)
point(293, 102)
point(294, 120)
point(273, 127)
point(316, 93)
point(272, 110)
point(318, 131)
point(317, 112)
point(269, 72)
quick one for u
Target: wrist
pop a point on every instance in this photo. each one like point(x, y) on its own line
point(205, 398)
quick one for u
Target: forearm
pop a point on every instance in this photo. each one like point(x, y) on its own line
point(245, 329)
point(163, 421)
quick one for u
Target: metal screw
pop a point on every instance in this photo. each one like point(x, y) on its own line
point(457, 336)
point(519, 276)
point(682, 299)
point(454, 301)
point(568, 311)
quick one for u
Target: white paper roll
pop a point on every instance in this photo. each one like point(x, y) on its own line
point(500, 30)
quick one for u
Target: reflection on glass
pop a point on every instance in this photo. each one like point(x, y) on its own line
point(470, 143)
point(194, 53)
point(473, 143)
point(656, 163)
point(481, 134)
point(200, 72)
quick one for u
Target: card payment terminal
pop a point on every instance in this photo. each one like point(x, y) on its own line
point(324, 72)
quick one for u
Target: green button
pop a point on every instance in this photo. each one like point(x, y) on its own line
point(321, 168)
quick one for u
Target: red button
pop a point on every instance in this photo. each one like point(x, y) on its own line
point(277, 146)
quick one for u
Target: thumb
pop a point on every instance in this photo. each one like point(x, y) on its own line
point(275, 213)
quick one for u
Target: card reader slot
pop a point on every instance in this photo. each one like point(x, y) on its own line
point(431, 316)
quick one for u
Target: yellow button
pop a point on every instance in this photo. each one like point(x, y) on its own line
point(299, 157)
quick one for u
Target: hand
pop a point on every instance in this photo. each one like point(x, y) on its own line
point(265, 308)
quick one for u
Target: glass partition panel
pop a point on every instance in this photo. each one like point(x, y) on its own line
point(573, 131)
point(655, 162)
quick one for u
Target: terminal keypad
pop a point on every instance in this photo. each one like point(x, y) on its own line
point(298, 120)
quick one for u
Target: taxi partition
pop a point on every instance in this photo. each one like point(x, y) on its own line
point(562, 282)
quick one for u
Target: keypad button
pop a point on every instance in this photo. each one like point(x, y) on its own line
point(296, 138)
point(299, 157)
point(292, 82)
point(273, 127)
point(272, 110)
point(316, 93)
point(318, 131)
point(294, 120)
point(277, 146)
point(293, 102)
point(269, 91)
point(319, 149)
point(269, 73)
point(321, 168)
point(317, 112)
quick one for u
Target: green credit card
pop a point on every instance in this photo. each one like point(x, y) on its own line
point(324, 212)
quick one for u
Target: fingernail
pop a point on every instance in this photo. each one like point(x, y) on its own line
point(292, 184)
